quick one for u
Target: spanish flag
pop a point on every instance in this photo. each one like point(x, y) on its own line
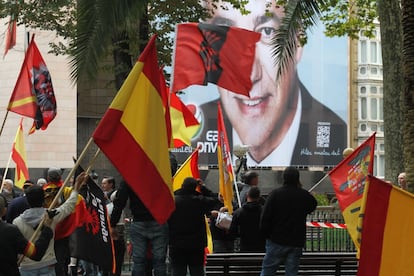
point(188, 169)
point(184, 124)
point(226, 174)
point(19, 157)
point(207, 53)
point(387, 231)
point(133, 135)
point(349, 179)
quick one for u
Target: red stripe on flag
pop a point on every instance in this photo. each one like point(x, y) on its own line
point(66, 227)
point(375, 217)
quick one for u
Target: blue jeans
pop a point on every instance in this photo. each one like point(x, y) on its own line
point(277, 254)
point(142, 232)
point(44, 271)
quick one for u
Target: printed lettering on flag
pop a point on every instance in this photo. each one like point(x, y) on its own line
point(349, 179)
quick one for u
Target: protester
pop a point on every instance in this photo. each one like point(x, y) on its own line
point(143, 230)
point(31, 218)
point(65, 227)
point(251, 179)
point(283, 224)
point(245, 223)
point(223, 241)
point(402, 181)
point(19, 204)
point(9, 191)
point(187, 228)
point(12, 243)
point(108, 186)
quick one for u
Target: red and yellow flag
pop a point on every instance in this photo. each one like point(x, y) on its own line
point(188, 169)
point(349, 179)
point(19, 157)
point(10, 40)
point(387, 231)
point(165, 96)
point(33, 95)
point(133, 135)
point(184, 124)
point(226, 174)
point(206, 53)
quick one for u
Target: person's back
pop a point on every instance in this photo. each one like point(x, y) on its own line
point(187, 229)
point(144, 231)
point(12, 243)
point(283, 223)
point(285, 214)
point(246, 222)
point(29, 220)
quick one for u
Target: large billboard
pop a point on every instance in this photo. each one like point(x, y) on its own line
point(298, 120)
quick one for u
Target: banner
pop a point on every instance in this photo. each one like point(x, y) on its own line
point(349, 179)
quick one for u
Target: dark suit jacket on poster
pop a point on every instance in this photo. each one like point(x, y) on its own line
point(321, 139)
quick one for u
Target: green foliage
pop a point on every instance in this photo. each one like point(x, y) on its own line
point(52, 15)
point(322, 199)
point(348, 17)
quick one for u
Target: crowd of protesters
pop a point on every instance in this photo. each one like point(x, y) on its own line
point(275, 226)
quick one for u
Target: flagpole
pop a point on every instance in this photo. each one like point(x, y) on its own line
point(59, 193)
point(4, 122)
point(235, 184)
point(5, 171)
point(317, 184)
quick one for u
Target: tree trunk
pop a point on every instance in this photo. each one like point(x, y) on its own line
point(407, 22)
point(391, 43)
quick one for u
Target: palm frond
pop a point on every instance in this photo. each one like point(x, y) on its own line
point(299, 15)
point(98, 21)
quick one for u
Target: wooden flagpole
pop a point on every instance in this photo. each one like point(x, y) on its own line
point(59, 193)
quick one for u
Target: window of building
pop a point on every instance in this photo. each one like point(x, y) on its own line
point(374, 109)
point(363, 51)
point(363, 108)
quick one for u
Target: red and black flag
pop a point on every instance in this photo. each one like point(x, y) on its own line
point(33, 95)
point(206, 53)
point(92, 241)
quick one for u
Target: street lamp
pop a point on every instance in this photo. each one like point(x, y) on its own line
point(240, 152)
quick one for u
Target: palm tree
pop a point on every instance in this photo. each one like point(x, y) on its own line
point(103, 25)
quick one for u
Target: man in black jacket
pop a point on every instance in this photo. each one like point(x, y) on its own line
point(187, 228)
point(283, 223)
point(144, 230)
point(12, 242)
point(245, 223)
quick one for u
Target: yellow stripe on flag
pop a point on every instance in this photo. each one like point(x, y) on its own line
point(144, 131)
point(19, 157)
point(226, 175)
point(398, 244)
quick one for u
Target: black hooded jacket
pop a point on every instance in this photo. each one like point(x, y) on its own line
point(245, 223)
point(187, 223)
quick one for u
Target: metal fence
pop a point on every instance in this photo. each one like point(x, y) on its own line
point(328, 233)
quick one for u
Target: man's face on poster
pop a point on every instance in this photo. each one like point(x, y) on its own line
point(262, 120)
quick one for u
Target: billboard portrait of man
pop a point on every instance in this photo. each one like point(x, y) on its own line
point(281, 122)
